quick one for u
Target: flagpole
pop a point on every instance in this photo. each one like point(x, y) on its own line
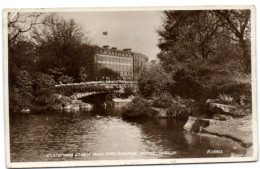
point(107, 39)
point(106, 34)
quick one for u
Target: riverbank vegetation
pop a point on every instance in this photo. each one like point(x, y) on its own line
point(44, 50)
point(205, 55)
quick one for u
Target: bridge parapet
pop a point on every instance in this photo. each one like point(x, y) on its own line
point(99, 83)
point(79, 90)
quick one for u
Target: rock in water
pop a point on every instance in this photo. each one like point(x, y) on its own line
point(162, 112)
point(190, 123)
point(195, 124)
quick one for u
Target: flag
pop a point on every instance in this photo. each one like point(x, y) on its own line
point(104, 33)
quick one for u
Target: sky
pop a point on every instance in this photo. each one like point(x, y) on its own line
point(126, 29)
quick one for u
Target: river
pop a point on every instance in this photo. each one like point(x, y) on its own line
point(101, 134)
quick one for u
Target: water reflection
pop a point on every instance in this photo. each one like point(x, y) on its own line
point(33, 136)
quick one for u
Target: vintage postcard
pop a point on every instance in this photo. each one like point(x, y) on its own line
point(130, 86)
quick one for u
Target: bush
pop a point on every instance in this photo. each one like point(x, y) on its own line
point(184, 108)
point(154, 81)
point(139, 109)
point(226, 99)
point(163, 100)
point(106, 72)
point(128, 91)
point(65, 79)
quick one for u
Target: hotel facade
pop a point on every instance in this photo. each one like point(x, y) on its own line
point(125, 62)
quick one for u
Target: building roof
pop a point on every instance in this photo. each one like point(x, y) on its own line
point(115, 52)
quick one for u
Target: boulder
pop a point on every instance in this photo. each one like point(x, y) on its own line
point(86, 106)
point(67, 107)
point(74, 107)
point(190, 123)
point(195, 124)
point(65, 100)
point(162, 112)
point(57, 107)
point(56, 97)
point(217, 108)
point(25, 110)
point(76, 101)
point(220, 117)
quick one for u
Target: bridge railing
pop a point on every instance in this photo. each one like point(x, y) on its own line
point(97, 83)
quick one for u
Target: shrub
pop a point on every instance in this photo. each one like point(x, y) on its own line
point(128, 91)
point(139, 109)
point(154, 81)
point(163, 100)
point(226, 99)
point(184, 107)
point(65, 79)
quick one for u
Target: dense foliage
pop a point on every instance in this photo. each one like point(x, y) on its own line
point(204, 54)
point(45, 50)
point(139, 109)
point(106, 73)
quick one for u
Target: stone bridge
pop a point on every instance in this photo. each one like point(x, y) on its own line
point(84, 89)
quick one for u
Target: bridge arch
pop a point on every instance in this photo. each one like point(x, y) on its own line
point(86, 89)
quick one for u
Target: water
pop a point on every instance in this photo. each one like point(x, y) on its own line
point(101, 134)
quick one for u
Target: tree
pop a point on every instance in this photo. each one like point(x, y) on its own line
point(155, 81)
point(21, 48)
point(63, 43)
point(201, 51)
point(192, 35)
point(238, 23)
point(44, 50)
point(106, 72)
point(188, 34)
point(83, 74)
point(21, 23)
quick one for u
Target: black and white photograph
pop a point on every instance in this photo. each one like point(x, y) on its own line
point(129, 86)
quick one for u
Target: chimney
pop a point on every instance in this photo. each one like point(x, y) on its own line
point(114, 48)
point(127, 50)
point(105, 46)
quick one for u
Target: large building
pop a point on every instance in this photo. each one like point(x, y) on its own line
point(127, 63)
